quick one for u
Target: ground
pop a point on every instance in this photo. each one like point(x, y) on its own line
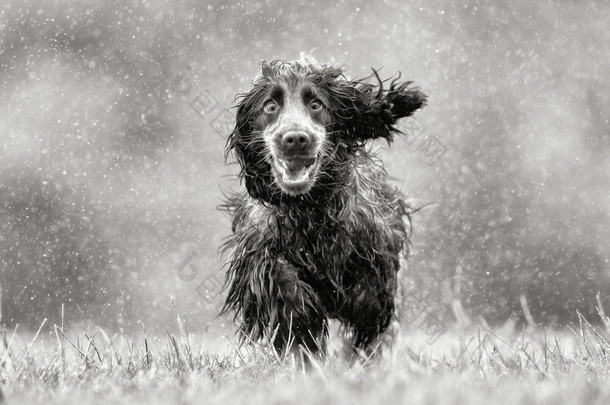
point(480, 365)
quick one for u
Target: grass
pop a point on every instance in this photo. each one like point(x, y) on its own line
point(478, 366)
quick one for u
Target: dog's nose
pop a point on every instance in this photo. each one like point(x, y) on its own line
point(295, 142)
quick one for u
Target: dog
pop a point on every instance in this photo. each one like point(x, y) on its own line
point(318, 233)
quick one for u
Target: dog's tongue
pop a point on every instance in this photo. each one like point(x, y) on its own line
point(297, 164)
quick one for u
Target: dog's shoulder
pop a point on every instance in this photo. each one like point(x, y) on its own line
point(246, 212)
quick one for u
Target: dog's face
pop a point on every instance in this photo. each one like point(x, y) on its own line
point(281, 135)
point(292, 118)
point(302, 122)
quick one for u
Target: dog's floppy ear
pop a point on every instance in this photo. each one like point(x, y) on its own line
point(385, 106)
point(254, 170)
point(403, 100)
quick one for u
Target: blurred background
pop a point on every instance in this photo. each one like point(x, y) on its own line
point(114, 116)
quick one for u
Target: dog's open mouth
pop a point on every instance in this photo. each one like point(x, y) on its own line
point(296, 173)
point(295, 170)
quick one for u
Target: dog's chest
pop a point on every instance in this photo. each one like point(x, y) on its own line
point(313, 241)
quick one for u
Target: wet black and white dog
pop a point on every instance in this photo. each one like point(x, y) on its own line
point(318, 233)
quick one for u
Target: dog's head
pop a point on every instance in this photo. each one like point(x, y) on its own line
point(298, 115)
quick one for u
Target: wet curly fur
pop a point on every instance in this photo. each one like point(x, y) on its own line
point(319, 233)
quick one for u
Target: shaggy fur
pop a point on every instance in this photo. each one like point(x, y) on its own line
point(319, 233)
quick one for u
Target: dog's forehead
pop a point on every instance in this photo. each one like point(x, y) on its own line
point(300, 67)
point(295, 84)
point(295, 72)
point(294, 78)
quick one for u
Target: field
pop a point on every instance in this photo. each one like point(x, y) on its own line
point(478, 366)
point(114, 117)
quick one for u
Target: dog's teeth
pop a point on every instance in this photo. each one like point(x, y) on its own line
point(294, 172)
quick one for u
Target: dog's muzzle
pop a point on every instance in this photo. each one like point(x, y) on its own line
point(295, 161)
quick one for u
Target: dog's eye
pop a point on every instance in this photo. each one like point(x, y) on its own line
point(270, 107)
point(315, 105)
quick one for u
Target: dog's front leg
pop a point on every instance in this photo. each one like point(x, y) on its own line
point(272, 300)
point(300, 319)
